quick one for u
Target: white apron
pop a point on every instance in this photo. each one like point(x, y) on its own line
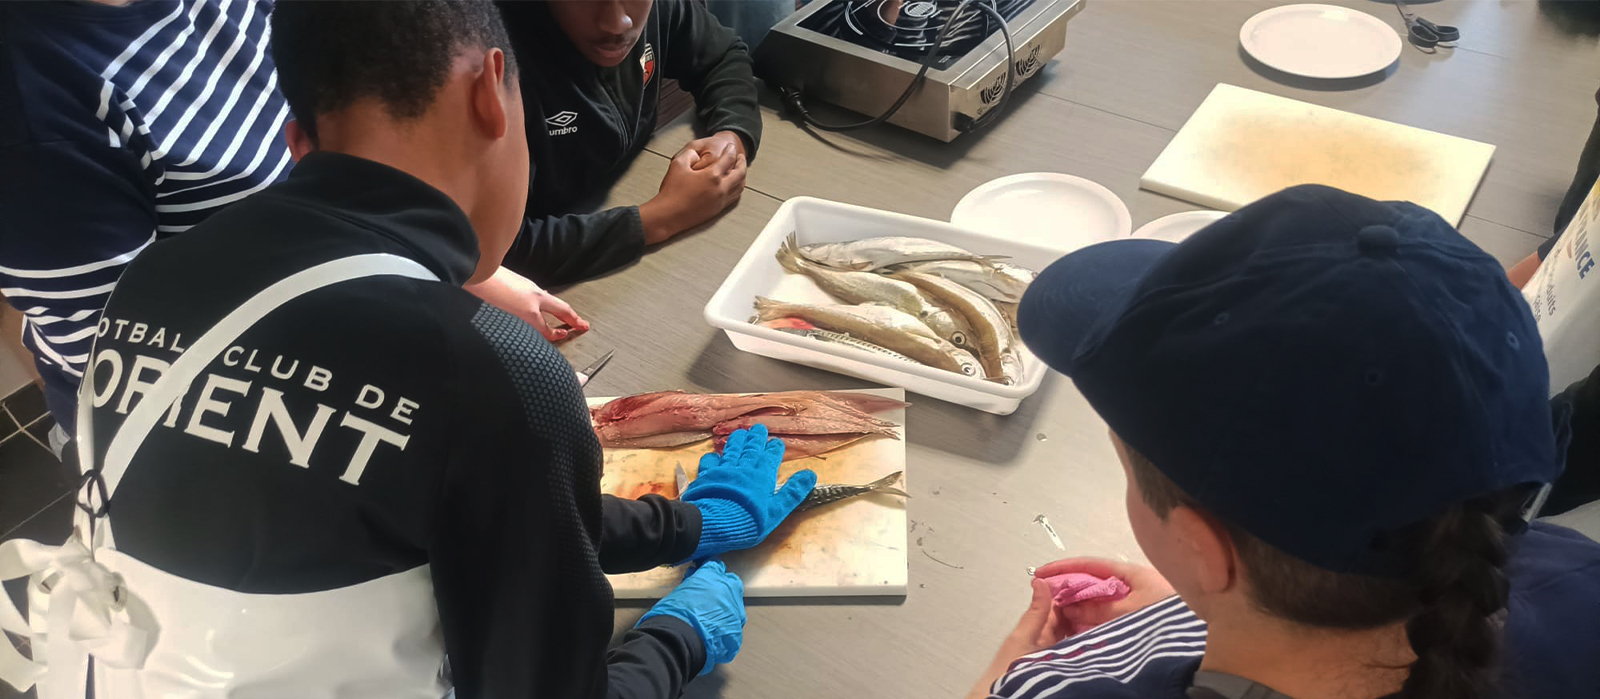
point(154, 634)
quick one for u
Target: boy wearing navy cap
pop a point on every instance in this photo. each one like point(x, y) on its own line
point(1333, 416)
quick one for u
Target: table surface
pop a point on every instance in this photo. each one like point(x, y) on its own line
point(1131, 73)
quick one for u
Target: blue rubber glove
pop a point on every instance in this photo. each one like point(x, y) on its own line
point(711, 601)
point(738, 495)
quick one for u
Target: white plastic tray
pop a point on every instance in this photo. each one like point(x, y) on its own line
point(819, 221)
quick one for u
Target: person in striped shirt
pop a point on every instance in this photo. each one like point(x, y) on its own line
point(123, 123)
point(1332, 415)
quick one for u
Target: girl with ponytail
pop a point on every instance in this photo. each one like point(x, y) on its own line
point(1332, 414)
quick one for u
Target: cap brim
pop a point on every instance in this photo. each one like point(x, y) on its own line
point(1070, 297)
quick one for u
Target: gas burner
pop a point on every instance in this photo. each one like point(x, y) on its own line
point(907, 28)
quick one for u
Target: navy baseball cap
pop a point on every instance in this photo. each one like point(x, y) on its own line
point(1320, 369)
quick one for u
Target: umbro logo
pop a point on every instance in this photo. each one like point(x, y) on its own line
point(562, 123)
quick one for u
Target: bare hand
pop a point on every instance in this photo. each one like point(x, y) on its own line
point(1146, 584)
point(1039, 628)
point(711, 145)
point(513, 293)
point(697, 187)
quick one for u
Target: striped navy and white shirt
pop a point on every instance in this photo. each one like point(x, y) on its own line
point(120, 126)
point(1153, 652)
point(1548, 648)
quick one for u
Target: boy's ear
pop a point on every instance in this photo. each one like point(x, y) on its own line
point(1209, 547)
point(488, 96)
point(299, 141)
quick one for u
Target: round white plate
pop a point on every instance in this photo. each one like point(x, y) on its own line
point(1320, 41)
point(1177, 227)
point(1048, 209)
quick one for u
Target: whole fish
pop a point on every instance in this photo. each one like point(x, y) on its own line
point(996, 344)
point(830, 493)
point(842, 339)
point(869, 254)
point(997, 281)
point(869, 288)
point(885, 327)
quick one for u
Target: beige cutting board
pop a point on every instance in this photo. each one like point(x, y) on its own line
point(855, 547)
point(1241, 145)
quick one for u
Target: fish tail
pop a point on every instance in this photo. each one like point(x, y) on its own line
point(789, 255)
point(886, 484)
point(767, 309)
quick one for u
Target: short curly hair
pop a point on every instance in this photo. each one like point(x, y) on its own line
point(330, 53)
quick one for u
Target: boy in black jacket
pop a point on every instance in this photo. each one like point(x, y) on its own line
point(384, 472)
point(591, 106)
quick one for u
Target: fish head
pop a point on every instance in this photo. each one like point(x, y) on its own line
point(970, 366)
point(1010, 369)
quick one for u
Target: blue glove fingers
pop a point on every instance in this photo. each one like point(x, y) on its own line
point(754, 444)
point(794, 491)
point(707, 463)
point(774, 454)
point(735, 444)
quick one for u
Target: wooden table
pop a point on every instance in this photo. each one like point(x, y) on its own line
point(1132, 72)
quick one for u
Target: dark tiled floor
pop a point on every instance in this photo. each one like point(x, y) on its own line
point(30, 479)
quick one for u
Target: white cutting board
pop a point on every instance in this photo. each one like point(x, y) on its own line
point(1241, 145)
point(856, 547)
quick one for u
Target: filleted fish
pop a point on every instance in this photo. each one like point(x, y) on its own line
point(996, 345)
point(996, 281)
point(676, 418)
point(868, 288)
point(885, 327)
point(869, 254)
point(830, 493)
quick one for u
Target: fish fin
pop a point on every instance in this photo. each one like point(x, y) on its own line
point(991, 259)
point(891, 490)
point(789, 255)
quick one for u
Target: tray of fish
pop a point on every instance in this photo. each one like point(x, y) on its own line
point(904, 301)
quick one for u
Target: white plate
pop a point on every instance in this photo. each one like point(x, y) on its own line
point(1177, 227)
point(1320, 41)
point(1048, 209)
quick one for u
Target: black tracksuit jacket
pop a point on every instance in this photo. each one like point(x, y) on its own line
point(490, 475)
point(586, 123)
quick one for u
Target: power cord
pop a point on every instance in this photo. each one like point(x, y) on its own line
point(796, 101)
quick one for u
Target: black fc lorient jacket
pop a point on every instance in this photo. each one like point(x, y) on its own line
point(585, 124)
point(476, 456)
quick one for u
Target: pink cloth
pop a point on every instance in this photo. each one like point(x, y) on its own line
point(1071, 588)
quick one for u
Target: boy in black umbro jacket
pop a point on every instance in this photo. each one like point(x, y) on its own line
point(591, 94)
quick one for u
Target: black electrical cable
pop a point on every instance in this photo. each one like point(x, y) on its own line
point(796, 101)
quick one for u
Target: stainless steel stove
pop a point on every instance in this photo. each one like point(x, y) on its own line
point(861, 55)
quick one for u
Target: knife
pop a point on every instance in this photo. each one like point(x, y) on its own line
point(682, 477)
point(589, 371)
